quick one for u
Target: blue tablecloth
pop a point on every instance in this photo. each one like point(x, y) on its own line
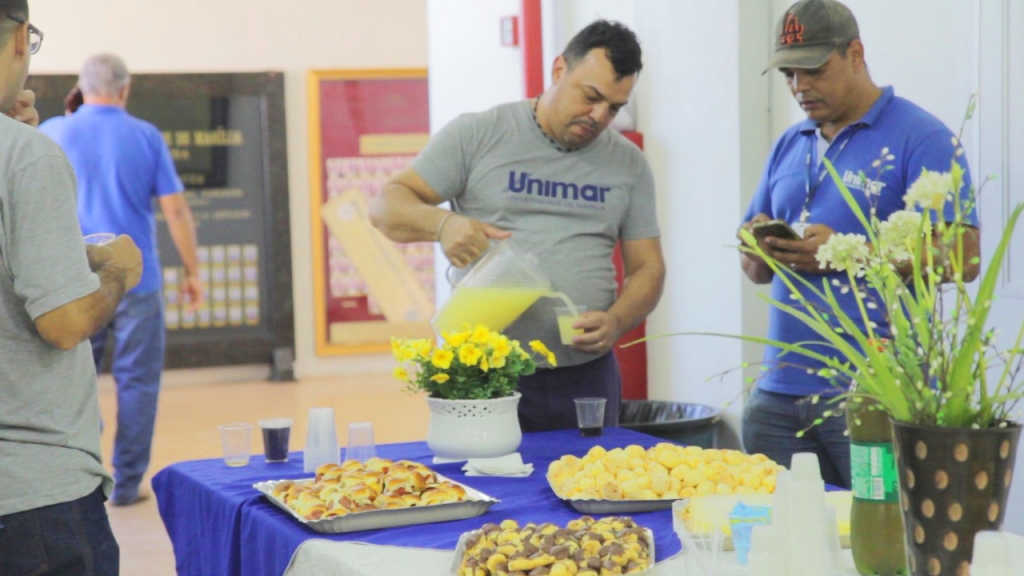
point(219, 524)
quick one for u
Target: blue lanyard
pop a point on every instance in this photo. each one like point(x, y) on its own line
point(811, 183)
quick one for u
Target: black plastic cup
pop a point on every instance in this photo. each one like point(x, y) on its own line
point(276, 432)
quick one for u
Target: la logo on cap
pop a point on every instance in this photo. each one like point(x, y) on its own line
point(792, 31)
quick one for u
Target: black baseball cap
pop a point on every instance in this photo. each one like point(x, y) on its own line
point(809, 31)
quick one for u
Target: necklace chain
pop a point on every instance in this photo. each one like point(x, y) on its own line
point(557, 146)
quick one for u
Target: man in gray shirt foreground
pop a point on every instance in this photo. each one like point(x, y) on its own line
point(546, 175)
point(54, 293)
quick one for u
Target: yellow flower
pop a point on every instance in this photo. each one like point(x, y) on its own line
point(423, 348)
point(483, 363)
point(440, 378)
point(539, 347)
point(551, 359)
point(497, 362)
point(456, 339)
point(401, 374)
point(501, 348)
point(481, 335)
point(469, 354)
point(442, 359)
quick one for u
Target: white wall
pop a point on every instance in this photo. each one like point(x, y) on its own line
point(690, 114)
point(470, 71)
point(247, 36)
point(933, 62)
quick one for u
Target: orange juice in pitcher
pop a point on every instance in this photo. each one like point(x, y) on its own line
point(495, 292)
point(494, 307)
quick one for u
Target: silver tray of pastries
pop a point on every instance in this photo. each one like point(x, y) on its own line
point(614, 545)
point(378, 493)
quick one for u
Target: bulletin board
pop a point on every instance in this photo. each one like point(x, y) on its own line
point(364, 127)
point(226, 134)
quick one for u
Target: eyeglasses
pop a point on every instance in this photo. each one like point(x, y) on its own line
point(35, 35)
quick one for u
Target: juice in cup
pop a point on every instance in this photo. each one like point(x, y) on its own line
point(566, 318)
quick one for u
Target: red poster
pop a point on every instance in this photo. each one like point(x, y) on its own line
point(365, 126)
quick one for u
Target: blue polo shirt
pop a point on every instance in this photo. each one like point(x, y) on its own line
point(915, 139)
point(121, 163)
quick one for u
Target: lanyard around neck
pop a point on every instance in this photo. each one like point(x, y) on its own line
point(811, 183)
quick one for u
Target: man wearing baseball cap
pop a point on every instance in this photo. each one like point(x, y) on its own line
point(860, 128)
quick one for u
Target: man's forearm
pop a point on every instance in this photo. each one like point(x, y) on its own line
point(183, 233)
point(403, 217)
point(640, 294)
point(106, 300)
point(67, 326)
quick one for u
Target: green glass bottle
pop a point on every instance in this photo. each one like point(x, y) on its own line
point(876, 522)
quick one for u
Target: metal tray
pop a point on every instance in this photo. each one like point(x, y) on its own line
point(476, 504)
point(613, 506)
point(460, 551)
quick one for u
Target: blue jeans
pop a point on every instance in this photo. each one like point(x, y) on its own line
point(771, 422)
point(68, 539)
point(549, 394)
point(138, 361)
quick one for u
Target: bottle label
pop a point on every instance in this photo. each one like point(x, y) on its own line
point(873, 468)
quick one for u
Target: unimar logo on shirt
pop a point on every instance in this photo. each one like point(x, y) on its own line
point(522, 183)
point(863, 183)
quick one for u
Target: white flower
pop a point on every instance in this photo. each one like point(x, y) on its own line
point(844, 252)
point(930, 190)
point(898, 234)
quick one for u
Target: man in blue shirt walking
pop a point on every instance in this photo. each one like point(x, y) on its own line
point(122, 163)
point(853, 123)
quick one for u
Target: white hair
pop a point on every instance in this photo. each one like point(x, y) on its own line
point(103, 75)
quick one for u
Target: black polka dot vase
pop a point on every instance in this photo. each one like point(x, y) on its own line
point(953, 483)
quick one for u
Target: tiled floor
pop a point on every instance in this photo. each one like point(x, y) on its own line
point(186, 429)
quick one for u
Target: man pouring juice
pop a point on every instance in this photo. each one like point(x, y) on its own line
point(545, 175)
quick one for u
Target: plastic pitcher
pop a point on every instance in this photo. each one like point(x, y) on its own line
point(495, 292)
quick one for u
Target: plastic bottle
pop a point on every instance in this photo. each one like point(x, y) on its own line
point(876, 522)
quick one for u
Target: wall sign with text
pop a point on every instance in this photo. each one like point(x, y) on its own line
point(226, 133)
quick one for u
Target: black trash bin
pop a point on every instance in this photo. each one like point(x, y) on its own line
point(680, 422)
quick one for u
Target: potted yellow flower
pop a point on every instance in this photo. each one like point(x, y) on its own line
point(471, 379)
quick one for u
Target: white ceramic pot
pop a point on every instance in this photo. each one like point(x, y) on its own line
point(462, 429)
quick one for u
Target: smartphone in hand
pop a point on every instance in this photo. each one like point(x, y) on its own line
point(776, 228)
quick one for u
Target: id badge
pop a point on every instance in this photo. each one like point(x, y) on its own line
point(800, 228)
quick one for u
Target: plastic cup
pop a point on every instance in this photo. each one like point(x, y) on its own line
point(100, 238)
point(590, 416)
point(565, 321)
point(991, 554)
point(321, 440)
point(360, 442)
point(276, 432)
point(236, 440)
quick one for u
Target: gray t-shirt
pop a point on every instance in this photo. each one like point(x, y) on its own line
point(49, 414)
point(567, 209)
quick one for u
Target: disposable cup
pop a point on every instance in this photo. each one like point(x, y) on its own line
point(590, 416)
point(100, 238)
point(321, 440)
point(236, 439)
point(360, 442)
point(566, 319)
point(276, 433)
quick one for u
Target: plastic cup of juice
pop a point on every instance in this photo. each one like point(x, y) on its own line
point(565, 321)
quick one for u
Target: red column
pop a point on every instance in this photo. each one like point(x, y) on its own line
point(632, 360)
point(533, 48)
